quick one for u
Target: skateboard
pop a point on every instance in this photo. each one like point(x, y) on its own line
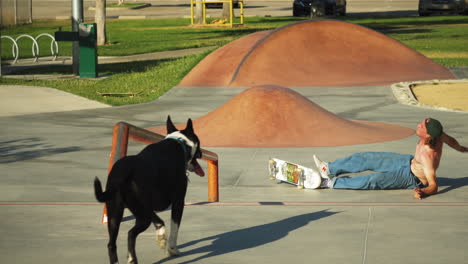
point(293, 173)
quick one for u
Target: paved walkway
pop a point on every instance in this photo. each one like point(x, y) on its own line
point(49, 160)
point(22, 100)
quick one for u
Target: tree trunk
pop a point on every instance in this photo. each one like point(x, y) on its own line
point(198, 13)
point(100, 17)
point(226, 10)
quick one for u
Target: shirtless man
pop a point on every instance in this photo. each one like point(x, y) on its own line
point(392, 170)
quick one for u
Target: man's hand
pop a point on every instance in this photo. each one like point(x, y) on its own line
point(418, 194)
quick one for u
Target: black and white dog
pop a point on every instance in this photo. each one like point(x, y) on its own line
point(149, 182)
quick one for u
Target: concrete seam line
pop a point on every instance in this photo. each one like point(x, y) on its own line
point(364, 254)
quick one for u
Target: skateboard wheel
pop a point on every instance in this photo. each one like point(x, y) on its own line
point(272, 178)
point(300, 187)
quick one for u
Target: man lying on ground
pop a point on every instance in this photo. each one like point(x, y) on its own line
point(393, 170)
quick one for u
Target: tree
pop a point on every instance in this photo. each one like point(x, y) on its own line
point(100, 17)
point(198, 13)
point(226, 11)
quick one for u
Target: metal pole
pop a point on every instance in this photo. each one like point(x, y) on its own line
point(0, 50)
point(77, 18)
point(213, 185)
point(16, 12)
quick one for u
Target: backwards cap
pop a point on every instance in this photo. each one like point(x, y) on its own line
point(434, 128)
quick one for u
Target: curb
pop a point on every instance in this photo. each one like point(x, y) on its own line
point(92, 8)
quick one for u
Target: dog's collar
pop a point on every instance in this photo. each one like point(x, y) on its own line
point(187, 145)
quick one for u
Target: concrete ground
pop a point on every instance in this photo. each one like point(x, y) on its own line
point(48, 162)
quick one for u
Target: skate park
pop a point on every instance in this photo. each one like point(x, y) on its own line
point(50, 160)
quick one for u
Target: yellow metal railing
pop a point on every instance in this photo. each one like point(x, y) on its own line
point(231, 11)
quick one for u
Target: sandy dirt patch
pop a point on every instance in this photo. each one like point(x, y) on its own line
point(447, 95)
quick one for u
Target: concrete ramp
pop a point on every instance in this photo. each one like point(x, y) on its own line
point(274, 116)
point(314, 53)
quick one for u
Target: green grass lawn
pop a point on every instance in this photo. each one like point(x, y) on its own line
point(149, 80)
point(441, 38)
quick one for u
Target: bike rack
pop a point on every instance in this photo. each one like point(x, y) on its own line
point(14, 48)
point(123, 131)
point(35, 46)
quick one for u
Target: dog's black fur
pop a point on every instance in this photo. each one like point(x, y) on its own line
point(150, 181)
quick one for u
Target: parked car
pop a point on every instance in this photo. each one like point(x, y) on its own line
point(427, 7)
point(235, 3)
point(319, 7)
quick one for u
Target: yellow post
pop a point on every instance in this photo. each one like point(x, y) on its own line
point(204, 12)
point(191, 12)
point(241, 11)
point(231, 13)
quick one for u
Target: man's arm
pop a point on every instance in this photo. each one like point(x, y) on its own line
point(430, 173)
point(453, 143)
point(431, 188)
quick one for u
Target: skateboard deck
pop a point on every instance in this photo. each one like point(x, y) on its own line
point(293, 173)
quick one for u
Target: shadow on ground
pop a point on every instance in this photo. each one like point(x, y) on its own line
point(450, 184)
point(250, 237)
point(29, 148)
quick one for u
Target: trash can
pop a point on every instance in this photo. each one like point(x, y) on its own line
point(88, 50)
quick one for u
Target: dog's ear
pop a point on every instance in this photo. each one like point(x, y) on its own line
point(189, 127)
point(170, 126)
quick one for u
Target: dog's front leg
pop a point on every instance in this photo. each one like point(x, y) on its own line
point(176, 217)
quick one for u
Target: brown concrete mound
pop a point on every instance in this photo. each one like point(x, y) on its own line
point(217, 68)
point(274, 116)
point(314, 53)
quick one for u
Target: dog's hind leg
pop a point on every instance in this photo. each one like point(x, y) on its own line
point(161, 237)
point(176, 217)
point(115, 210)
point(141, 224)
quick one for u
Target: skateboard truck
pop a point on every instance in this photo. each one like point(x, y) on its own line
point(272, 168)
point(300, 175)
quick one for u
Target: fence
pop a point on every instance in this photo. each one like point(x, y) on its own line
point(14, 12)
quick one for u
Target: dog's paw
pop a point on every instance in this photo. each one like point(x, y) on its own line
point(172, 252)
point(162, 240)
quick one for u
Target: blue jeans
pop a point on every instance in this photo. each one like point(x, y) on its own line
point(391, 171)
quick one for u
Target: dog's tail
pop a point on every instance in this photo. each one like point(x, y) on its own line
point(119, 174)
point(100, 195)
